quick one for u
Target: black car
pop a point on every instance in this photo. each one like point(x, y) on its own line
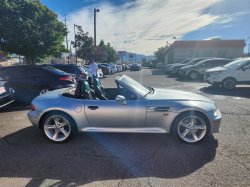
point(35, 80)
point(6, 95)
point(105, 69)
point(79, 72)
point(135, 67)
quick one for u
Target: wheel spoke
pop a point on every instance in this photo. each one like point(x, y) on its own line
point(184, 124)
point(64, 132)
point(55, 135)
point(50, 126)
point(193, 120)
point(64, 123)
point(195, 137)
point(200, 127)
point(184, 133)
point(56, 120)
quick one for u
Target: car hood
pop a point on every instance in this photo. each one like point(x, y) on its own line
point(188, 66)
point(177, 95)
point(179, 65)
point(218, 69)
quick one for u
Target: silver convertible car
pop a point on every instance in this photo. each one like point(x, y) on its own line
point(131, 107)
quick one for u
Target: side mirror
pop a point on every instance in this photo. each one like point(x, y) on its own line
point(245, 67)
point(121, 99)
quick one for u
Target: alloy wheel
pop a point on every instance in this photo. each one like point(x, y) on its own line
point(229, 84)
point(57, 128)
point(43, 91)
point(193, 75)
point(192, 129)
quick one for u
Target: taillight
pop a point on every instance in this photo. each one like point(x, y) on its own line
point(65, 78)
point(82, 74)
point(106, 68)
point(33, 107)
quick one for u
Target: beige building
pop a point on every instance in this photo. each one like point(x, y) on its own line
point(180, 50)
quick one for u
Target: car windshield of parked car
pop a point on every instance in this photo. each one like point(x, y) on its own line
point(185, 61)
point(201, 62)
point(192, 62)
point(236, 63)
point(136, 86)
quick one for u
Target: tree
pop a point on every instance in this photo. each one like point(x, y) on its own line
point(84, 45)
point(111, 54)
point(158, 54)
point(101, 54)
point(30, 29)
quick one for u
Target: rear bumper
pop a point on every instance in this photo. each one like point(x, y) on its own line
point(215, 123)
point(34, 117)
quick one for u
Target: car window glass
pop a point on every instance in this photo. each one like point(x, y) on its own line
point(38, 72)
point(126, 93)
point(6, 73)
point(24, 72)
point(66, 69)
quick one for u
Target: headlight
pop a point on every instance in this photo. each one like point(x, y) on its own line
point(216, 73)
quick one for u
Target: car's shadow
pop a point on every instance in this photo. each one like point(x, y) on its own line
point(238, 91)
point(93, 157)
point(184, 79)
point(13, 108)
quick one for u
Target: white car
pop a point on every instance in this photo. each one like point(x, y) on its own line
point(229, 75)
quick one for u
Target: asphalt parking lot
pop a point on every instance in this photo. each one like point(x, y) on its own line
point(120, 159)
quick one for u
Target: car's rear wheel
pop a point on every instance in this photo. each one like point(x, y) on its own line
point(228, 83)
point(58, 127)
point(193, 75)
point(191, 127)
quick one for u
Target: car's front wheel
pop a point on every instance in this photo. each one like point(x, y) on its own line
point(58, 127)
point(43, 90)
point(193, 75)
point(228, 83)
point(191, 127)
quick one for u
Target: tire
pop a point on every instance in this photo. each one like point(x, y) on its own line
point(191, 127)
point(193, 75)
point(58, 127)
point(43, 90)
point(228, 84)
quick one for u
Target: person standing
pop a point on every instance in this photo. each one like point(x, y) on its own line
point(93, 66)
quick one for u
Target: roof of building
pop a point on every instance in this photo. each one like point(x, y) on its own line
point(206, 43)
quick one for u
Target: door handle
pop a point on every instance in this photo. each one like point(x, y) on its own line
point(93, 107)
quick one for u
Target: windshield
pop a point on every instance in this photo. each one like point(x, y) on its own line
point(236, 63)
point(194, 61)
point(201, 62)
point(185, 61)
point(136, 86)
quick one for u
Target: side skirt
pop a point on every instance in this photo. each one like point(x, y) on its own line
point(126, 130)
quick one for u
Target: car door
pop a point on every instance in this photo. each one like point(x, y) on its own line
point(245, 73)
point(112, 113)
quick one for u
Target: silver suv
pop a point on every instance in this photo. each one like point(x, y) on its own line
point(194, 71)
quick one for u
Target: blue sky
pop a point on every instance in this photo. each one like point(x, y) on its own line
point(142, 26)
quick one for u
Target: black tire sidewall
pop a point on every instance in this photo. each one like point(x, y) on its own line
point(174, 129)
point(222, 84)
point(72, 125)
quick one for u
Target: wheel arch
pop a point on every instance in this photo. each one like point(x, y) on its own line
point(186, 112)
point(58, 111)
point(198, 73)
point(228, 78)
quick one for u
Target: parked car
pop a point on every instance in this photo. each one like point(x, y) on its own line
point(87, 69)
point(6, 95)
point(195, 71)
point(229, 75)
point(111, 66)
point(168, 66)
point(135, 67)
point(79, 72)
point(175, 68)
point(35, 79)
point(160, 65)
point(119, 67)
point(105, 69)
point(131, 107)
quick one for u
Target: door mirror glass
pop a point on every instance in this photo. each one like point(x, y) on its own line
point(121, 99)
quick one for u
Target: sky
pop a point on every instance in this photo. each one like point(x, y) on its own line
point(142, 26)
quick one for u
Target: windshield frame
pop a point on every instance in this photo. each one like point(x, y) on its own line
point(242, 61)
point(133, 89)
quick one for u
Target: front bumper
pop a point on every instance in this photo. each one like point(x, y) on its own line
point(215, 122)
point(6, 99)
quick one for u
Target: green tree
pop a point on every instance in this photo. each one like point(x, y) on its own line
point(84, 45)
point(29, 28)
point(158, 54)
point(111, 53)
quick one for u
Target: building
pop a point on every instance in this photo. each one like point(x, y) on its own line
point(180, 50)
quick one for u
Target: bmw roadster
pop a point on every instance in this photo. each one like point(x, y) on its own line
point(131, 107)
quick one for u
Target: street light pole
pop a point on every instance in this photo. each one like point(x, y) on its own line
point(75, 43)
point(95, 10)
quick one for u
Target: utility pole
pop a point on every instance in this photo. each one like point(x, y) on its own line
point(95, 10)
point(75, 43)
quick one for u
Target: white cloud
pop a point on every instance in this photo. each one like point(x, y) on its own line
point(134, 26)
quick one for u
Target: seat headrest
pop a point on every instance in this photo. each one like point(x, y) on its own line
point(85, 86)
point(97, 81)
